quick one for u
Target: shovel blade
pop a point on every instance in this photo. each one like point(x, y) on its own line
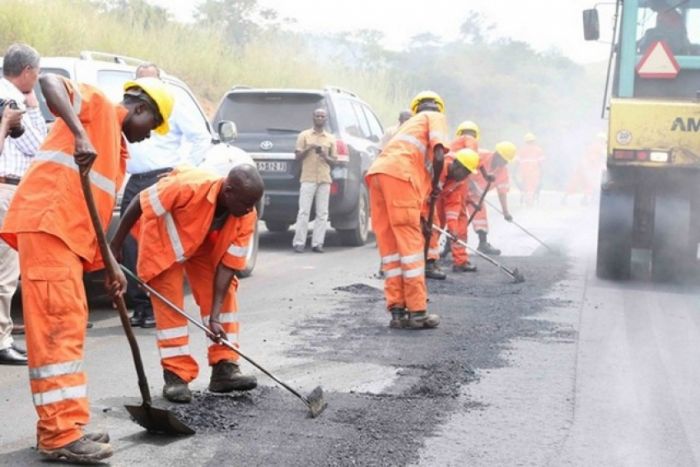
point(316, 402)
point(158, 420)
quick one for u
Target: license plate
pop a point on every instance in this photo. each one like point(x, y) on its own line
point(272, 166)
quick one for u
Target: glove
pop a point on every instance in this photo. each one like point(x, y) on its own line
point(490, 178)
point(508, 217)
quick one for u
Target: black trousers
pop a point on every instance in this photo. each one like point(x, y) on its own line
point(136, 184)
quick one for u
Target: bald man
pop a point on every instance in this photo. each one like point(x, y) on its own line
point(195, 223)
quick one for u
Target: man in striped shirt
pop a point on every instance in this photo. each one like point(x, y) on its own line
point(20, 72)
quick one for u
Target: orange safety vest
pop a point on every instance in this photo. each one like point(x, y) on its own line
point(50, 199)
point(409, 154)
point(177, 216)
point(464, 142)
point(502, 179)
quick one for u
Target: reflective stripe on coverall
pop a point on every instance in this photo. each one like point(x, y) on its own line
point(175, 240)
point(399, 180)
point(48, 223)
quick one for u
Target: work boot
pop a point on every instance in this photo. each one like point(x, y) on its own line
point(98, 436)
point(148, 321)
point(136, 318)
point(466, 267)
point(397, 315)
point(175, 389)
point(226, 376)
point(420, 320)
point(485, 247)
point(433, 271)
point(81, 451)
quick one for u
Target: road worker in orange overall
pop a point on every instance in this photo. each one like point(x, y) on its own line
point(588, 171)
point(467, 137)
point(450, 208)
point(530, 159)
point(49, 224)
point(194, 222)
point(492, 173)
point(399, 180)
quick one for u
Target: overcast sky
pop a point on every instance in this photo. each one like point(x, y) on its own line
point(542, 23)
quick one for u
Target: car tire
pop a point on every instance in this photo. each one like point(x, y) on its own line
point(277, 226)
point(252, 255)
point(358, 236)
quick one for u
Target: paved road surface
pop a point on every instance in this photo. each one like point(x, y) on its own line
point(562, 370)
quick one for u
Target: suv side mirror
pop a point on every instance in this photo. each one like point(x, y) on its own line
point(374, 138)
point(227, 131)
point(591, 25)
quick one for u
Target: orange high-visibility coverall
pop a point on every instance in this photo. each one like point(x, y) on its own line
point(530, 159)
point(48, 223)
point(477, 184)
point(586, 175)
point(399, 181)
point(451, 214)
point(176, 238)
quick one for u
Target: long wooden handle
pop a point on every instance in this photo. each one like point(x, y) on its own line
point(478, 207)
point(119, 301)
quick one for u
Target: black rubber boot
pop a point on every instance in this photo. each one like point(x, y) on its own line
point(485, 247)
point(226, 376)
point(466, 267)
point(175, 389)
point(397, 315)
point(433, 270)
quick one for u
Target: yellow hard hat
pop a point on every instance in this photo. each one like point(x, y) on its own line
point(468, 158)
point(530, 137)
point(427, 95)
point(507, 150)
point(161, 96)
point(469, 125)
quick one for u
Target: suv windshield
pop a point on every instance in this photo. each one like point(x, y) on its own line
point(269, 112)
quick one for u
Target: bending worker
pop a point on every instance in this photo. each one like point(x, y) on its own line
point(399, 180)
point(450, 208)
point(492, 171)
point(49, 224)
point(197, 223)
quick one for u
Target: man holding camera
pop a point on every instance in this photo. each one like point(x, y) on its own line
point(22, 130)
point(316, 152)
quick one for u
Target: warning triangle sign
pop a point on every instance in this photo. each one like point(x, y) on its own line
point(658, 62)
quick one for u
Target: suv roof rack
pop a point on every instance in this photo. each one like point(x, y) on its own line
point(339, 90)
point(110, 57)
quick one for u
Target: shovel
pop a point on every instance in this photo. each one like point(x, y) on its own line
point(314, 402)
point(151, 418)
point(514, 274)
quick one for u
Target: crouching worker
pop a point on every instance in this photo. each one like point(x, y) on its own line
point(451, 212)
point(197, 223)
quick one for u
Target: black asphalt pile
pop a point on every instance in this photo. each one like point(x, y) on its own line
point(480, 314)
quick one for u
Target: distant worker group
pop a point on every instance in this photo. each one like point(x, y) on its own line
point(422, 179)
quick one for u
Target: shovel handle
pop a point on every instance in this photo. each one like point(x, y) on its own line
point(478, 206)
point(119, 301)
point(522, 228)
point(211, 335)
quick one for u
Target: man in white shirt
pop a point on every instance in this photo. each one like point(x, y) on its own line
point(20, 71)
point(150, 160)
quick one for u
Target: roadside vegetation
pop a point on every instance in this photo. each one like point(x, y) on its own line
point(506, 86)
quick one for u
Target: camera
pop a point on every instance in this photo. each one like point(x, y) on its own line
point(17, 131)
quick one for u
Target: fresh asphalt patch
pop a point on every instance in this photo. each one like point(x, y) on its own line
point(480, 314)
